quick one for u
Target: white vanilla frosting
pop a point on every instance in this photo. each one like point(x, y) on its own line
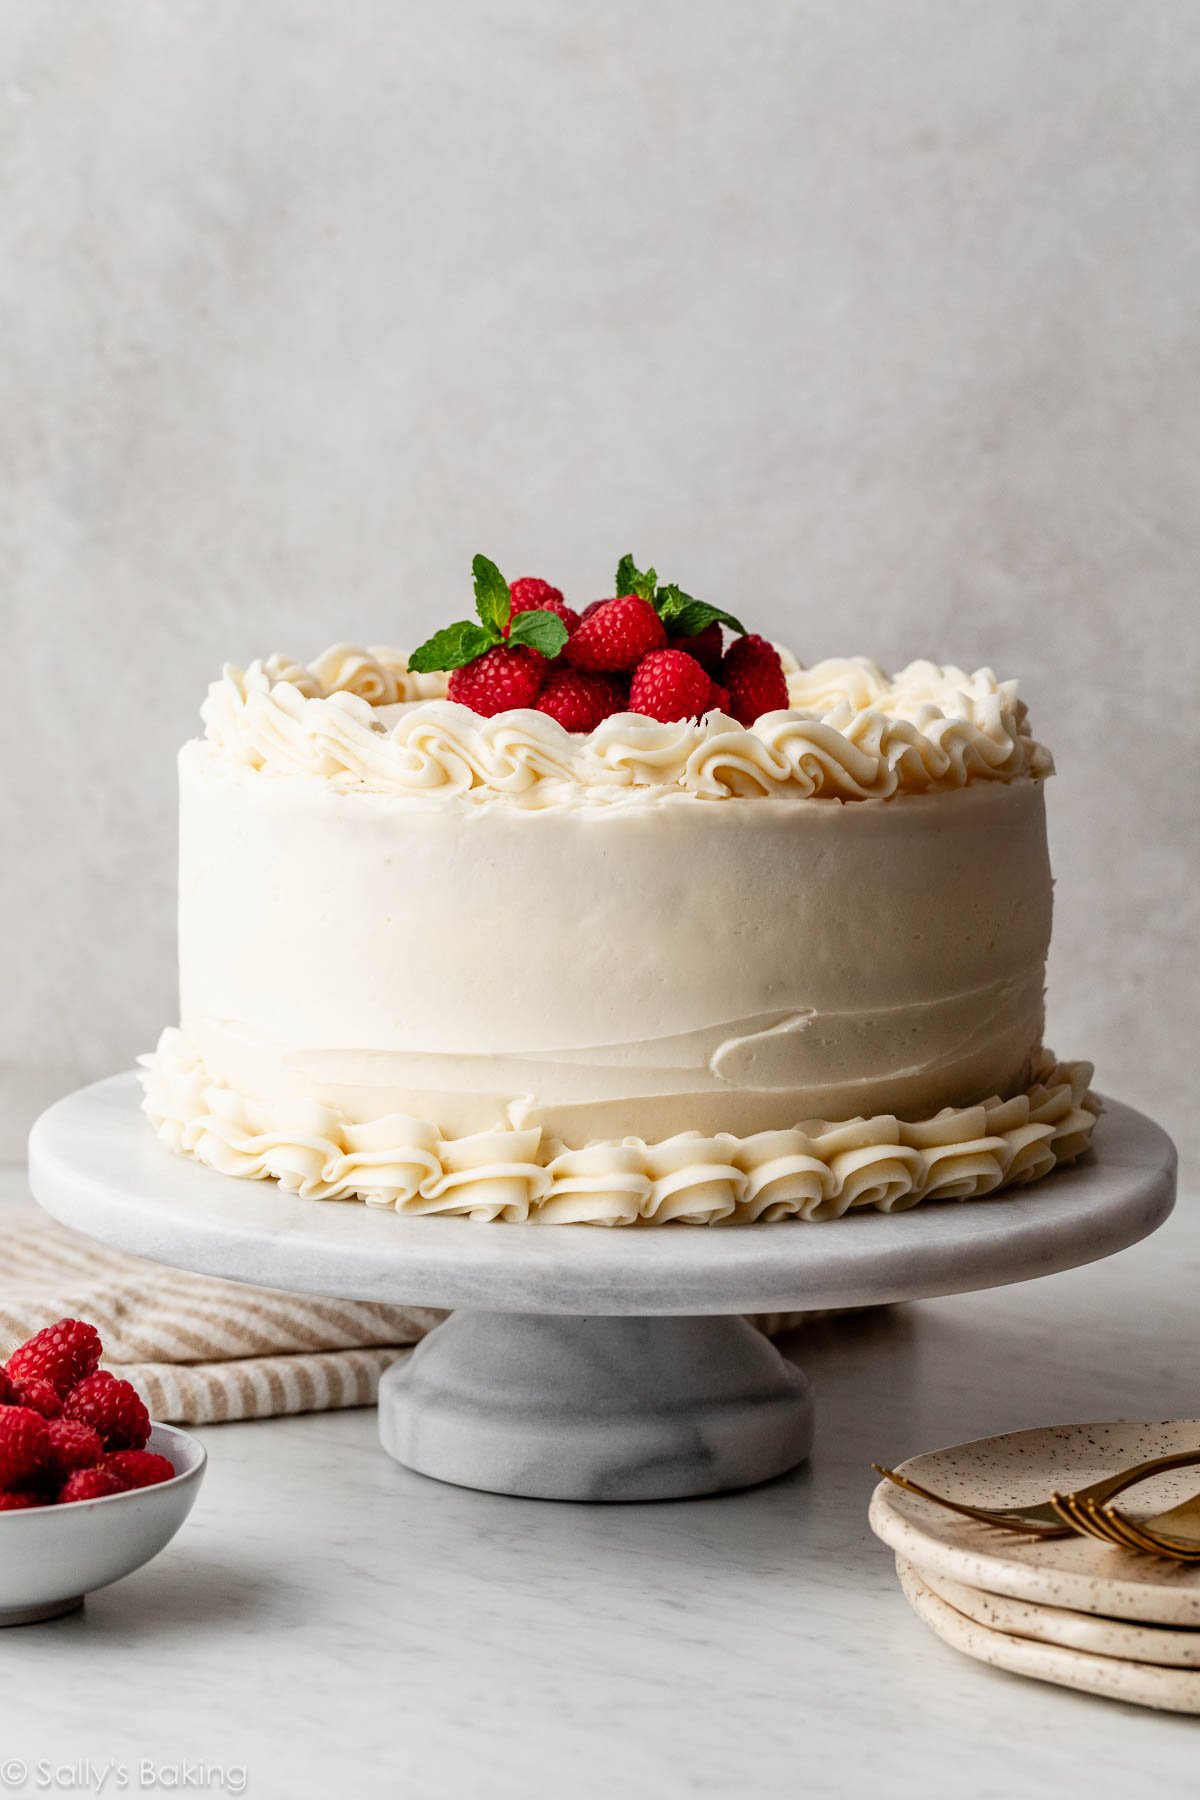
point(816, 1170)
point(416, 945)
point(358, 719)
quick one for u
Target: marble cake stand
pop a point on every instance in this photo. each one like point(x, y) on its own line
point(584, 1364)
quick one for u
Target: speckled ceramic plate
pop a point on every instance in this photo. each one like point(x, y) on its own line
point(1167, 1646)
point(1142, 1684)
point(1076, 1573)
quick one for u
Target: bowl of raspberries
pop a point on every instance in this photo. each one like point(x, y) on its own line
point(90, 1489)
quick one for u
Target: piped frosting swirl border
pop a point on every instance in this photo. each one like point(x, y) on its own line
point(818, 1171)
point(360, 720)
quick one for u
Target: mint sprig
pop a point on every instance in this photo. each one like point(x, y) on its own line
point(492, 601)
point(686, 617)
point(452, 648)
point(540, 631)
point(680, 613)
point(460, 643)
point(632, 580)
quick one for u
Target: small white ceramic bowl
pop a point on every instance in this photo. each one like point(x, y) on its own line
point(52, 1556)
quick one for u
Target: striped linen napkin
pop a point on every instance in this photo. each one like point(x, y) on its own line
point(197, 1349)
point(200, 1350)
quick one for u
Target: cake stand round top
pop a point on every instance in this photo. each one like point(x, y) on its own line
point(96, 1165)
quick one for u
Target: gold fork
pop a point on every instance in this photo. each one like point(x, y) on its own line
point(1050, 1518)
point(1174, 1533)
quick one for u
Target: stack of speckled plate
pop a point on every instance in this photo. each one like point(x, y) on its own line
point(1071, 1611)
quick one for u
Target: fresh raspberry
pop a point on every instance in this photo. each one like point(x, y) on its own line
point(531, 594)
point(706, 646)
point(618, 689)
point(7, 1397)
point(669, 684)
point(91, 1484)
point(616, 635)
point(718, 699)
point(73, 1445)
point(591, 607)
point(498, 680)
point(39, 1396)
point(753, 674)
point(113, 1407)
point(528, 592)
point(18, 1500)
point(579, 701)
point(61, 1354)
point(24, 1444)
point(140, 1468)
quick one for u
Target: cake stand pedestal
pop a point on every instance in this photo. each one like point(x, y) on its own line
point(581, 1363)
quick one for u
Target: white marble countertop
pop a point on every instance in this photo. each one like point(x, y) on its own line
point(328, 1622)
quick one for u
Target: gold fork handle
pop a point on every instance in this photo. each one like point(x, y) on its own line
point(1112, 1485)
point(1006, 1521)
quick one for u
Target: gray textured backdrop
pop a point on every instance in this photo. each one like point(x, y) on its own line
point(877, 321)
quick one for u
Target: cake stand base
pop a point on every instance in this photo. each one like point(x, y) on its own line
point(596, 1409)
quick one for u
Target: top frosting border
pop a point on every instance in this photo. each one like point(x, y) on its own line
point(361, 720)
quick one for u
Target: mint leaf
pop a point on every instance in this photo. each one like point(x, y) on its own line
point(540, 631)
point(686, 617)
point(450, 649)
point(492, 601)
point(627, 575)
point(679, 612)
point(632, 580)
point(670, 602)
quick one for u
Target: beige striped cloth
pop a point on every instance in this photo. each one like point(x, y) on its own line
point(199, 1350)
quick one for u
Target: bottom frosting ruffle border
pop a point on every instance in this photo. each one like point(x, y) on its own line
point(818, 1170)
